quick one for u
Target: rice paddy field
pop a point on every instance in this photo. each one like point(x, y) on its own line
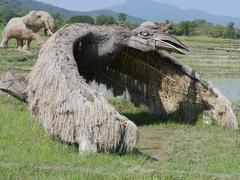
point(213, 57)
point(166, 150)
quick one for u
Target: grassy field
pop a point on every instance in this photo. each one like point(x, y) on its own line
point(183, 151)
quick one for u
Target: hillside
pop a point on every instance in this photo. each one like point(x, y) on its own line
point(159, 12)
point(17, 6)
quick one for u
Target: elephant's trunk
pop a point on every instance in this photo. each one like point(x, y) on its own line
point(48, 32)
point(49, 28)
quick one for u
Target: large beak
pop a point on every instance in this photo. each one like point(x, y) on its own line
point(157, 41)
point(166, 42)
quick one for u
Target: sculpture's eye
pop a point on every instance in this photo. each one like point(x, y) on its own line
point(39, 16)
point(145, 33)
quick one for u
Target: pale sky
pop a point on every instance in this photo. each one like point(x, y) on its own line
point(220, 7)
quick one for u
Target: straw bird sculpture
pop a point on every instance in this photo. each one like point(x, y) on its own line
point(59, 95)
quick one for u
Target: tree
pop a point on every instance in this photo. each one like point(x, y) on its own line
point(215, 31)
point(187, 28)
point(21, 14)
point(1, 24)
point(81, 19)
point(230, 30)
point(102, 19)
point(122, 17)
point(237, 33)
point(58, 20)
point(176, 30)
point(6, 14)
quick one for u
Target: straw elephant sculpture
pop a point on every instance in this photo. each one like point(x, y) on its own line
point(58, 93)
point(24, 29)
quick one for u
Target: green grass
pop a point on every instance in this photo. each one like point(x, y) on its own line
point(18, 58)
point(191, 152)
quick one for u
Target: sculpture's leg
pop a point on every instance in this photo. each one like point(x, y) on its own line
point(4, 43)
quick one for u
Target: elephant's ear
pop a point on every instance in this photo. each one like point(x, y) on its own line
point(30, 18)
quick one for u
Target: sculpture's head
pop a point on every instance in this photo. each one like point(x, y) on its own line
point(150, 36)
point(105, 42)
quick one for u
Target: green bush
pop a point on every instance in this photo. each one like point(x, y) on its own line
point(59, 22)
point(122, 17)
point(102, 19)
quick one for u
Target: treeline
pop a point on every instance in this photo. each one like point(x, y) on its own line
point(201, 27)
point(198, 27)
point(103, 20)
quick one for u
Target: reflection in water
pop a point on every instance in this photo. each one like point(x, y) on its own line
point(230, 87)
point(154, 142)
point(103, 90)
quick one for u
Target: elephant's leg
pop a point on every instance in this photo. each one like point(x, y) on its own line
point(4, 43)
point(26, 43)
point(19, 43)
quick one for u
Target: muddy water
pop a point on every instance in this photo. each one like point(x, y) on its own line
point(158, 142)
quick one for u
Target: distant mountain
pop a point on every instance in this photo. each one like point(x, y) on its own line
point(28, 5)
point(159, 12)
